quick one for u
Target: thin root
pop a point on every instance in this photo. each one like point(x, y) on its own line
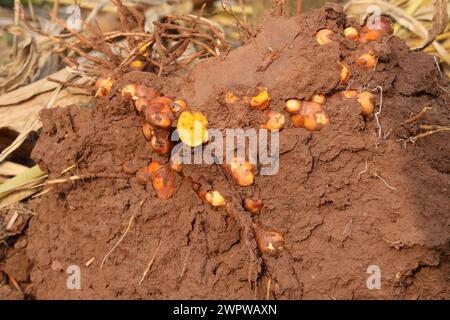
point(384, 181)
point(426, 134)
point(150, 264)
point(418, 116)
point(185, 264)
point(362, 172)
point(122, 237)
point(81, 177)
point(378, 115)
point(348, 226)
point(269, 282)
point(69, 168)
point(432, 127)
point(13, 281)
point(89, 262)
point(40, 194)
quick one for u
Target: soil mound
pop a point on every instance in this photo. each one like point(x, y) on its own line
point(344, 199)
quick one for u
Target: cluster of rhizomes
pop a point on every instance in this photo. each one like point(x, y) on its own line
point(312, 114)
point(160, 115)
point(163, 115)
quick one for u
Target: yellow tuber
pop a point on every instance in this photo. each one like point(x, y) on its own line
point(178, 107)
point(323, 36)
point(176, 166)
point(350, 94)
point(269, 242)
point(351, 34)
point(160, 141)
point(136, 92)
point(231, 97)
point(365, 100)
point(143, 177)
point(318, 98)
point(215, 199)
point(241, 171)
point(163, 180)
point(379, 29)
point(147, 130)
point(130, 167)
point(253, 206)
point(312, 117)
point(192, 128)
point(367, 60)
point(262, 100)
point(103, 86)
point(276, 121)
point(137, 65)
point(293, 106)
point(345, 73)
point(158, 115)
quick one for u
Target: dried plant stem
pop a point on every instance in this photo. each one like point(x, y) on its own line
point(282, 6)
point(69, 84)
point(24, 134)
point(196, 20)
point(17, 7)
point(116, 34)
point(91, 43)
point(130, 57)
point(204, 46)
point(298, 7)
point(164, 55)
point(31, 9)
point(243, 25)
point(256, 285)
point(55, 7)
point(64, 43)
point(124, 18)
point(244, 14)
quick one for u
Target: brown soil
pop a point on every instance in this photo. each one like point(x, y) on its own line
point(337, 218)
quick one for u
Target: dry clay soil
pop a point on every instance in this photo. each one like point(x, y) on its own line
point(329, 201)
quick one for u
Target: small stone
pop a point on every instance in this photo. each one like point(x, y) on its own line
point(57, 266)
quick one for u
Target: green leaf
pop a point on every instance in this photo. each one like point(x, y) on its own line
point(13, 190)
